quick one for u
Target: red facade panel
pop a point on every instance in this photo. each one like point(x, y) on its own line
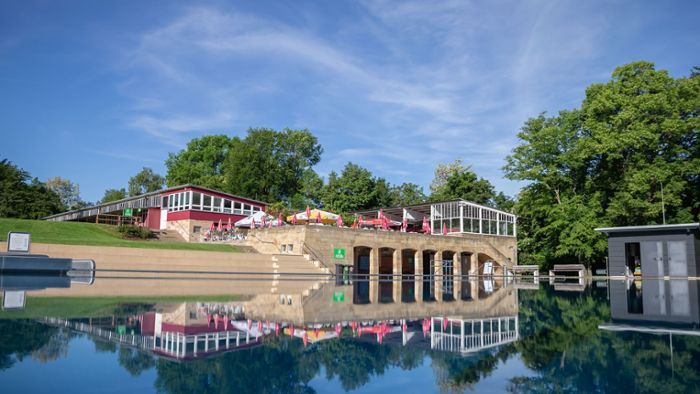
point(153, 218)
point(202, 215)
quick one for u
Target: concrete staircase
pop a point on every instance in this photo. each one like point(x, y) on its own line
point(169, 236)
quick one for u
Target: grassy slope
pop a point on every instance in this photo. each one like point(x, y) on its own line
point(76, 233)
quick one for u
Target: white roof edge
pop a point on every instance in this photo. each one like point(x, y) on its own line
point(651, 227)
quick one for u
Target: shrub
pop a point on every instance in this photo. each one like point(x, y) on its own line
point(131, 232)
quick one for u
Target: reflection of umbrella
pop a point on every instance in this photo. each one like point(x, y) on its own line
point(354, 223)
point(444, 229)
point(339, 222)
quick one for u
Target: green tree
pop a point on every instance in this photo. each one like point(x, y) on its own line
point(270, 165)
point(201, 163)
point(310, 192)
point(113, 195)
point(407, 194)
point(145, 181)
point(25, 198)
point(67, 191)
point(456, 181)
point(353, 190)
point(606, 163)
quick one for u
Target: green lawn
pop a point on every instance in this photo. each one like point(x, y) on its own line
point(77, 233)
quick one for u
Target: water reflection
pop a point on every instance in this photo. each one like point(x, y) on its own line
point(543, 338)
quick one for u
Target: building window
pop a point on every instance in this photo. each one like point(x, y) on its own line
point(228, 206)
point(633, 259)
point(197, 229)
point(217, 204)
point(207, 203)
point(196, 200)
point(237, 208)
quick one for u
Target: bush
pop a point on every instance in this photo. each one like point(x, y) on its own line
point(131, 232)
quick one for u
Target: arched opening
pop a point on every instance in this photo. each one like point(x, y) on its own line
point(465, 259)
point(489, 271)
point(386, 267)
point(429, 275)
point(360, 284)
point(408, 272)
point(448, 275)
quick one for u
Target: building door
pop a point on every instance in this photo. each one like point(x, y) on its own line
point(163, 219)
point(652, 255)
point(677, 258)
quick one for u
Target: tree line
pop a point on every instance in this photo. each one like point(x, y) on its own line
point(629, 155)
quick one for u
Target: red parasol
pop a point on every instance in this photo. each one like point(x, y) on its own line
point(318, 217)
point(444, 229)
point(306, 339)
point(252, 222)
point(294, 219)
point(280, 220)
point(262, 220)
point(308, 214)
point(228, 226)
point(221, 226)
point(339, 221)
point(338, 328)
point(426, 225)
point(212, 228)
point(385, 222)
point(404, 225)
point(381, 213)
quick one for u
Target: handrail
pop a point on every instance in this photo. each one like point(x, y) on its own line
point(311, 252)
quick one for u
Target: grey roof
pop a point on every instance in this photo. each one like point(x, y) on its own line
point(653, 227)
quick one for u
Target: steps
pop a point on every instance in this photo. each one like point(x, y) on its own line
point(169, 236)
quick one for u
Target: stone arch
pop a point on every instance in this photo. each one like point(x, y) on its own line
point(386, 272)
point(408, 272)
point(361, 269)
point(429, 274)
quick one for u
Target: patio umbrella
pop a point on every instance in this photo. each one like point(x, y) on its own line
point(280, 220)
point(252, 223)
point(308, 214)
point(444, 229)
point(318, 217)
point(381, 213)
point(339, 221)
point(385, 222)
point(229, 223)
point(354, 223)
point(426, 226)
point(221, 226)
point(212, 228)
point(294, 219)
point(404, 225)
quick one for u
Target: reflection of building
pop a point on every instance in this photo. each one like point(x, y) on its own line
point(658, 251)
point(661, 302)
point(472, 335)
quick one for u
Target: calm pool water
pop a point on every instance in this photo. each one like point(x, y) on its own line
point(276, 336)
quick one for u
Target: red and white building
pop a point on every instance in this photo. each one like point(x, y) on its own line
point(188, 210)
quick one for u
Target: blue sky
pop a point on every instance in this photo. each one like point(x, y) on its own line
point(94, 90)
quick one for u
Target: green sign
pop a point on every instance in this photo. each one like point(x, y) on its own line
point(339, 296)
point(128, 212)
point(339, 253)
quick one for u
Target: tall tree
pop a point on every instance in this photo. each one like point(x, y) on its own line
point(68, 192)
point(457, 181)
point(310, 192)
point(407, 194)
point(113, 195)
point(201, 163)
point(606, 164)
point(22, 197)
point(145, 181)
point(353, 190)
point(270, 165)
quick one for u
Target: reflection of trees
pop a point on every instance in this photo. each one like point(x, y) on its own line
point(454, 373)
point(135, 361)
point(19, 338)
point(561, 342)
point(55, 348)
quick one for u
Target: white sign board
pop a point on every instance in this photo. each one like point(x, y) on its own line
point(18, 242)
point(13, 299)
